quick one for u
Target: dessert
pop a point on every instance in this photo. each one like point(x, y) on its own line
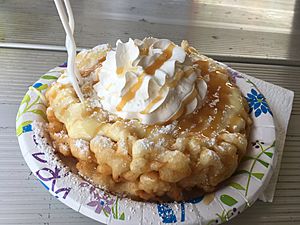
point(158, 121)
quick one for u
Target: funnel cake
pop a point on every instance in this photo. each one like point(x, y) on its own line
point(193, 151)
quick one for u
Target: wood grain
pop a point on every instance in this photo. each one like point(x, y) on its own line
point(265, 30)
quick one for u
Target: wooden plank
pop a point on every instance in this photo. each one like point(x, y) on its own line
point(10, 111)
point(264, 30)
point(20, 69)
point(266, 16)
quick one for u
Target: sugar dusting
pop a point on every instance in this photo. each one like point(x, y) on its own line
point(61, 134)
point(82, 145)
point(103, 141)
point(146, 143)
point(171, 128)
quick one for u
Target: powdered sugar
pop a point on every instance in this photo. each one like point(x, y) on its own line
point(168, 129)
point(82, 145)
point(146, 143)
point(63, 146)
point(210, 119)
point(216, 95)
point(103, 142)
point(111, 117)
point(122, 146)
point(213, 103)
point(162, 142)
point(95, 103)
point(60, 134)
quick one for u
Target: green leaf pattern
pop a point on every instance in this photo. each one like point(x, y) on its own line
point(39, 112)
point(264, 150)
point(231, 201)
point(115, 212)
point(222, 217)
point(122, 216)
point(30, 107)
point(269, 154)
point(258, 175)
point(237, 186)
point(228, 200)
point(49, 77)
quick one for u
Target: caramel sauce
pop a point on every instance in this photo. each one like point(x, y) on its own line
point(144, 51)
point(120, 70)
point(151, 104)
point(87, 72)
point(203, 65)
point(186, 101)
point(131, 93)
point(178, 77)
point(158, 62)
point(188, 72)
point(171, 84)
point(210, 117)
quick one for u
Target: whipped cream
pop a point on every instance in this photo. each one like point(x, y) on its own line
point(152, 80)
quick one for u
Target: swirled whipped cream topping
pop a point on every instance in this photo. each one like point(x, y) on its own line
point(152, 80)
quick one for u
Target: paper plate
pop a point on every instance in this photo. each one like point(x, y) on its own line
point(238, 193)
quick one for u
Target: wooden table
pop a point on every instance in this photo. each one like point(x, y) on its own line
point(258, 37)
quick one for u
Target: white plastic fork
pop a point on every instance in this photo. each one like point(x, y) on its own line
point(68, 24)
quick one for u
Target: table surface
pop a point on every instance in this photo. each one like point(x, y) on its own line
point(257, 37)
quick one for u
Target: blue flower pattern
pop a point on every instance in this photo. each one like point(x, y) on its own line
point(27, 128)
point(257, 103)
point(167, 214)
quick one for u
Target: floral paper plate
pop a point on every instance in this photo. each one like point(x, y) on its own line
point(238, 193)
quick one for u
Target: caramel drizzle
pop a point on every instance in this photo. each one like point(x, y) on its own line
point(218, 122)
point(120, 70)
point(224, 92)
point(131, 93)
point(185, 102)
point(158, 62)
point(151, 104)
point(91, 69)
point(204, 66)
point(178, 77)
point(171, 84)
